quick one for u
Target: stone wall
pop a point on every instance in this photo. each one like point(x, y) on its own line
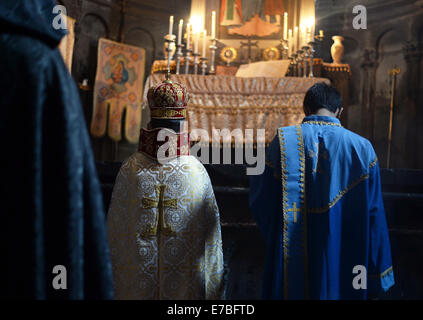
point(141, 23)
point(392, 39)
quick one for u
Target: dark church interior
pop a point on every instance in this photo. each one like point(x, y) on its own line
point(393, 40)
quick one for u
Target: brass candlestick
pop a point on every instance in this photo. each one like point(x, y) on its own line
point(169, 48)
point(283, 47)
point(203, 65)
point(306, 55)
point(294, 69)
point(178, 57)
point(312, 51)
point(196, 62)
point(188, 58)
point(213, 49)
point(300, 58)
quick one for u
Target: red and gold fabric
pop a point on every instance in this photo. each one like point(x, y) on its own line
point(178, 143)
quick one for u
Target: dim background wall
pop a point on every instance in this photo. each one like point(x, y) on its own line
point(393, 39)
point(142, 23)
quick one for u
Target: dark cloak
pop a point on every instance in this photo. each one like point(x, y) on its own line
point(51, 201)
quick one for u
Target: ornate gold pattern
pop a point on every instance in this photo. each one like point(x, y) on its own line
point(161, 66)
point(160, 203)
point(339, 196)
point(383, 274)
point(343, 192)
point(323, 123)
point(373, 163)
point(271, 54)
point(303, 207)
point(185, 264)
point(284, 211)
point(168, 113)
point(228, 54)
point(219, 101)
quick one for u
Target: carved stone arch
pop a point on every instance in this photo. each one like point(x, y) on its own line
point(89, 29)
point(141, 37)
point(90, 18)
point(389, 52)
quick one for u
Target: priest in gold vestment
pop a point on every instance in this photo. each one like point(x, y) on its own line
point(163, 222)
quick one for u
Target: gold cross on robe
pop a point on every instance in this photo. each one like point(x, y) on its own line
point(295, 210)
point(160, 203)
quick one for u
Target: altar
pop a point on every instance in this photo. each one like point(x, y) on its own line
point(228, 102)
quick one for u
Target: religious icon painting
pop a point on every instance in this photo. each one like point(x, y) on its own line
point(251, 18)
point(118, 88)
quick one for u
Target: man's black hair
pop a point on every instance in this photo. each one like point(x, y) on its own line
point(322, 95)
point(173, 124)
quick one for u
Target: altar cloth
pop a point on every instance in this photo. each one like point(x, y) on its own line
point(228, 102)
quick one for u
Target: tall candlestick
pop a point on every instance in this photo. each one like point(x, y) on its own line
point(196, 36)
point(290, 44)
point(170, 24)
point(188, 36)
point(181, 23)
point(213, 31)
point(285, 26)
point(204, 43)
point(302, 36)
point(295, 42)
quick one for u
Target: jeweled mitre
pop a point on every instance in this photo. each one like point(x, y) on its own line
point(168, 100)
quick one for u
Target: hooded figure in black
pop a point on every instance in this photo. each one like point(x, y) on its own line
point(51, 203)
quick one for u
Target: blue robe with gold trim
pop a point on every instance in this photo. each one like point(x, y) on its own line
point(319, 207)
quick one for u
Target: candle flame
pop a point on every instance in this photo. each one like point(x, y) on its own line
point(197, 24)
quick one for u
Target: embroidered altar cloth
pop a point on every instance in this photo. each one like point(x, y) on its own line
point(219, 102)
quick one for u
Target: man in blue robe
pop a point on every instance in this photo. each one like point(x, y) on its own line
point(319, 207)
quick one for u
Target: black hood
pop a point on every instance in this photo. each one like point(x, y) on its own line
point(30, 17)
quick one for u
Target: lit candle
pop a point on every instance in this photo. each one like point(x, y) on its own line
point(290, 44)
point(213, 32)
point(188, 35)
point(170, 24)
point(181, 24)
point(196, 36)
point(295, 42)
point(302, 36)
point(204, 43)
point(285, 26)
point(321, 34)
